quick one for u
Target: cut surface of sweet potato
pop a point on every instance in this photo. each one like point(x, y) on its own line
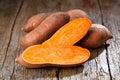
point(50, 56)
point(70, 33)
point(55, 55)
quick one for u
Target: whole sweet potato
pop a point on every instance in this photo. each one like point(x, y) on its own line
point(46, 29)
point(36, 20)
point(96, 37)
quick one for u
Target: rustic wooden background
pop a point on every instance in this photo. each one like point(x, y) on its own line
point(104, 63)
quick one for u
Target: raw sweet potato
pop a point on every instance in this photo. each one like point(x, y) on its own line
point(34, 21)
point(46, 29)
point(96, 37)
point(70, 33)
point(38, 56)
point(59, 50)
point(77, 13)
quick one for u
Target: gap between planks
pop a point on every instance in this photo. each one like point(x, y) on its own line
point(21, 4)
point(105, 43)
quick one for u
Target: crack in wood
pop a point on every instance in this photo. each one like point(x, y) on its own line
point(11, 31)
point(99, 4)
point(10, 36)
point(21, 4)
point(92, 70)
point(96, 68)
point(57, 73)
point(108, 61)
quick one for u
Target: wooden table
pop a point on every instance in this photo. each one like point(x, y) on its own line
point(104, 63)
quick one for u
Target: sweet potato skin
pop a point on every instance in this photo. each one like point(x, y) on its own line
point(76, 13)
point(46, 29)
point(34, 21)
point(96, 37)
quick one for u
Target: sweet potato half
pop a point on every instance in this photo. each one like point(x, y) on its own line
point(38, 56)
point(70, 33)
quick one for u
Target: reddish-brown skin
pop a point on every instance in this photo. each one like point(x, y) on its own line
point(46, 29)
point(77, 13)
point(96, 37)
point(34, 21)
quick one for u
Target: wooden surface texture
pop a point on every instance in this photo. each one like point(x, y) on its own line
point(104, 63)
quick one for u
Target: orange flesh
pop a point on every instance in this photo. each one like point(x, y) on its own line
point(59, 49)
point(70, 33)
point(55, 55)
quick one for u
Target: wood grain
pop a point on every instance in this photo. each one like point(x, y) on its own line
point(104, 63)
point(111, 18)
point(97, 67)
point(29, 8)
point(8, 14)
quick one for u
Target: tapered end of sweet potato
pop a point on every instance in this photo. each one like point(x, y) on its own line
point(34, 21)
point(25, 64)
point(26, 41)
point(20, 60)
point(105, 33)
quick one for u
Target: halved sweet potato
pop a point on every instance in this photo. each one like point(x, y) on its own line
point(39, 56)
point(70, 33)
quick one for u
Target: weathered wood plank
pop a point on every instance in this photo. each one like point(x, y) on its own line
point(97, 67)
point(8, 12)
point(101, 62)
point(29, 8)
point(111, 18)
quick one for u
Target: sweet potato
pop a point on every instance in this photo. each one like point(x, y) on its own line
point(46, 29)
point(59, 50)
point(38, 56)
point(70, 33)
point(77, 13)
point(34, 21)
point(96, 37)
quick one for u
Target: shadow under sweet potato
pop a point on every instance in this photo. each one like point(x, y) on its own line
point(96, 52)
